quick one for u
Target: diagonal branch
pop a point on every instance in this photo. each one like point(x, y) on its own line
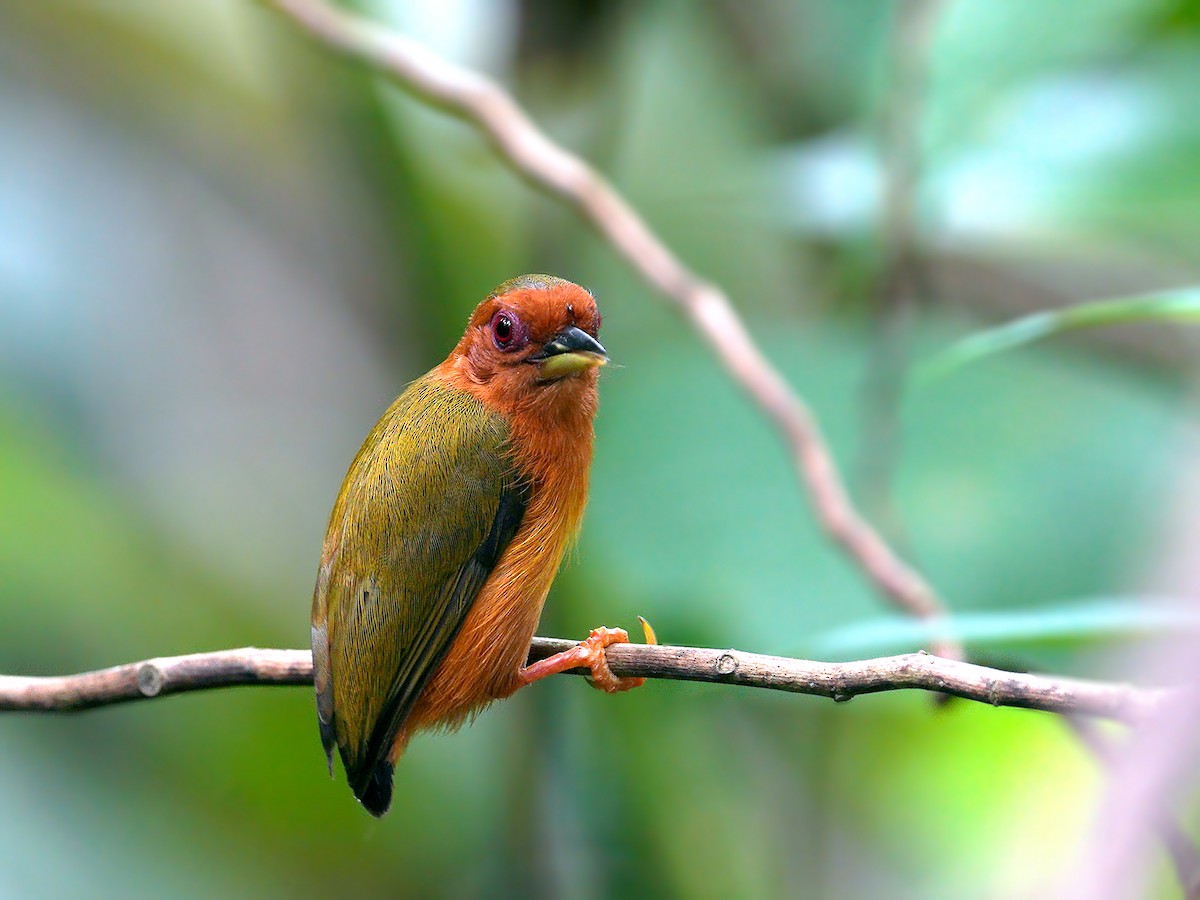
point(519, 142)
point(838, 681)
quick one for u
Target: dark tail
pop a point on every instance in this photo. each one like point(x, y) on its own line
point(375, 790)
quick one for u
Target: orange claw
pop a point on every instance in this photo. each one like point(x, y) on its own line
point(590, 654)
point(648, 630)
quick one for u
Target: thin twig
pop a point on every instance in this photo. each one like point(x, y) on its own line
point(518, 141)
point(838, 681)
point(1185, 857)
point(903, 277)
point(1149, 772)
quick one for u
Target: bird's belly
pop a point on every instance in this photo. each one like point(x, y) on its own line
point(493, 643)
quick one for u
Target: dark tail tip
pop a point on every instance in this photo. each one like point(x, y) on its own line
point(376, 794)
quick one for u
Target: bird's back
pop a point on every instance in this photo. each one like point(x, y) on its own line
point(429, 503)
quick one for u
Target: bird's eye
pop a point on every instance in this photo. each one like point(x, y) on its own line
point(507, 331)
point(503, 329)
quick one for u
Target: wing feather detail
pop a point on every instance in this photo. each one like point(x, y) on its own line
point(429, 505)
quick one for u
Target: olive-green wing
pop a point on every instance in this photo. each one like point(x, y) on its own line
point(429, 505)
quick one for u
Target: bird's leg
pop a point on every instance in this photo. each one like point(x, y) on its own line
point(590, 654)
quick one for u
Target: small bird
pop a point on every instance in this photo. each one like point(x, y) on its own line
point(449, 529)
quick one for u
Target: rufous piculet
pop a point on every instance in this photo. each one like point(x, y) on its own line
point(449, 529)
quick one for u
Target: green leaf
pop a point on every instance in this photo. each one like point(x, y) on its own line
point(1102, 618)
point(1178, 306)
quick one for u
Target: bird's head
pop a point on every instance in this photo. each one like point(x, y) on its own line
point(533, 339)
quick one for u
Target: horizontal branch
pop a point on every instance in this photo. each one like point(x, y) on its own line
point(838, 681)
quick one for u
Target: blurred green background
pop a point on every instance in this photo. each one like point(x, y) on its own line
point(223, 251)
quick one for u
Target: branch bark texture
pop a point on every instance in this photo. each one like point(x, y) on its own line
point(838, 681)
point(519, 142)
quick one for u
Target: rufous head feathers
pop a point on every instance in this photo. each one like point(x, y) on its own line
point(535, 339)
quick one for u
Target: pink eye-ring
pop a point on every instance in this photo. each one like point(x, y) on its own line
point(507, 331)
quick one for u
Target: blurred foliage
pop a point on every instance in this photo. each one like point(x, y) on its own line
point(223, 250)
point(1179, 307)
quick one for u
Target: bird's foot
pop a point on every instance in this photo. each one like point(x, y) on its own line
point(590, 654)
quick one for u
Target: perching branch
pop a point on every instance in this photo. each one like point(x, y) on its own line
point(520, 143)
point(838, 681)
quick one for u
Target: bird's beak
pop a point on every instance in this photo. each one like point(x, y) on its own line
point(570, 352)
